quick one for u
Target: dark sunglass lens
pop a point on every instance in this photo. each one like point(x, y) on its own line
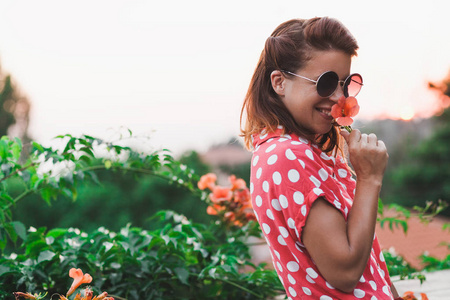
point(353, 85)
point(327, 84)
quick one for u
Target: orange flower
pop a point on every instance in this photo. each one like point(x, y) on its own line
point(409, 296)
point(423, 296)
point(237, 184)
point(214, 209)
point(220, 195)
point(207, 181)
point(78, 279)
point(344, 110)
point(243, 197)
point(24, 295)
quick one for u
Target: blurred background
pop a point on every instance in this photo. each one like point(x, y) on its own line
point(176, 72)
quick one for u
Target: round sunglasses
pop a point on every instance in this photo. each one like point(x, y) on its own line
point(327, 83)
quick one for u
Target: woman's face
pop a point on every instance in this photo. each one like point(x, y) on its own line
point(311, 111)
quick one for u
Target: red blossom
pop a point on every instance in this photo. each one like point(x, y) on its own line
point(344, 110)
point(207, 181)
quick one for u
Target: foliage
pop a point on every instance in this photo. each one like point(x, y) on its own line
point(177, 259)
point(397, 266)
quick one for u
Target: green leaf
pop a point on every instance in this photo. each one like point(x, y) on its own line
point(182, 274)
point(20, 229)
point(45, 256)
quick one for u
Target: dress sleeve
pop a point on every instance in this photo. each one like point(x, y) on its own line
point(299, 178)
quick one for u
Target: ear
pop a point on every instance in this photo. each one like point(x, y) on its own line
point(278, 81)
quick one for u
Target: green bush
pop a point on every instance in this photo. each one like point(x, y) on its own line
point(177, 259)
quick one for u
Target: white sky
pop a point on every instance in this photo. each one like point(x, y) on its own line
point(178, 70)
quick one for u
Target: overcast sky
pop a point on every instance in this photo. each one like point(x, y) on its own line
point(178, 71)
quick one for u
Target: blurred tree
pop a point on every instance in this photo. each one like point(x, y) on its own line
point(14, 109)
point(426, 176)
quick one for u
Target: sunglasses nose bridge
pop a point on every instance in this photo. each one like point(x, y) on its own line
point(338, 92)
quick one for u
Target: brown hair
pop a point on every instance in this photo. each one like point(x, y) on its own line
point(289, 48)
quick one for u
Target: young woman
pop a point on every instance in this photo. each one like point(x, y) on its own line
point(317, 220)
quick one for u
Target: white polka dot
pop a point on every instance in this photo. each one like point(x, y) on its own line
point(290, 155)
point(324, 156)
point(371, 270)
point(270, 214)
point(342, 173)
point(386, 290)
point(252, 187)
point(255, 160)
point(283, 201)
point(299, 198)
point(265, 186)
point(258, 201)
point(374, 298)
point(329, 285)
point(258, 173)
point(266, 228)
point(276, 204)
point(312, 273)
point(281, 241)
point(291, 223)
point(291, 279)
point(272, 159)
point(306, 291)
point(283, 231)
point(303, 140)
point(292, 292)
point(323, 174)
point(337, 204)
point(277, 254)
point(292, 266)
point(279, 266)
point(362, 279)
point(276, 178)
point(295, 143)
point(302, 163)
point(314, 180)
point(263, 134)
point(373, 285)
point(270, 148)
point(359, 293)
point(324, 297)
point(381, 256)
point(381, 272)
point(309, 154)
point(287, 136)
point(318, 191)
point(310, 279)
point(303, 210)
point(293, 175)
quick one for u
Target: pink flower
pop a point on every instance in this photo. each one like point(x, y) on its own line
point(344, 110)
point(78, 279)
point(207, 181)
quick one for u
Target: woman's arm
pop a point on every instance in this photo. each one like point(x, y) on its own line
point(339, 249)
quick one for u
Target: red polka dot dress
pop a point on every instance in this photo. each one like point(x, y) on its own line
point(288, 174)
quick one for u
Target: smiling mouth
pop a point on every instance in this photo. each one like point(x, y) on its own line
point(325, 111)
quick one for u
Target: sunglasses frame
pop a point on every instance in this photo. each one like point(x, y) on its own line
point(342, 83)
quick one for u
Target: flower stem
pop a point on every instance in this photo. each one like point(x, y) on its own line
point(348, 128)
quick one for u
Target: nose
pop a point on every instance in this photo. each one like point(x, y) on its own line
point(338, 93)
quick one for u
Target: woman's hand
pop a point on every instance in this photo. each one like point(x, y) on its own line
point(368, 155)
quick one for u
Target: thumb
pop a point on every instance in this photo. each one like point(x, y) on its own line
point(345, 134)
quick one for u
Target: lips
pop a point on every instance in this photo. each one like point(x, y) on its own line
point(325, 111)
